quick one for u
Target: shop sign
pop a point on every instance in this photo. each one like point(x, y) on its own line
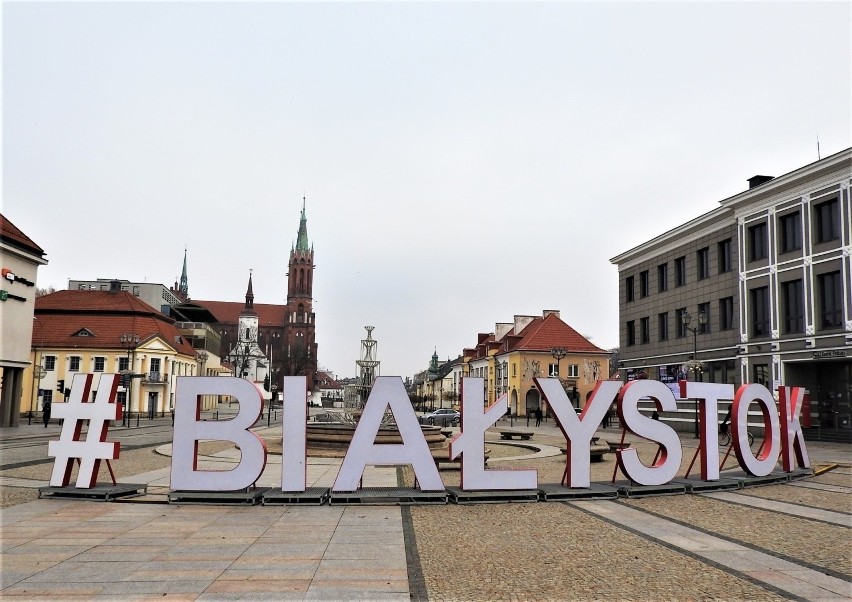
point(829, 353)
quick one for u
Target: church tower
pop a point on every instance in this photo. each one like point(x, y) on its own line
point(184, 281)
point(248, 359)
point(301, 346)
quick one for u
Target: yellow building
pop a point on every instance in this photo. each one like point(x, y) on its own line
point(535, 346)
point(95, 332)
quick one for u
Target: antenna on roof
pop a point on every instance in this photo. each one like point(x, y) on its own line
point(818, 155)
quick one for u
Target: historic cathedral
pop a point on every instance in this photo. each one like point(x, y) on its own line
point(262, 338)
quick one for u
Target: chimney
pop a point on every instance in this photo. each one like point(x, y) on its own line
point(547, 312)
point(755, 181)
point(114, 286)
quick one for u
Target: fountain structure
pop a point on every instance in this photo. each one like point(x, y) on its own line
point(333, 435)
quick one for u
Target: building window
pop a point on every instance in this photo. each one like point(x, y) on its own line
point(830, 300)
point(726, 313)
point(50, 363)
point(123, 364)
point(724, 252)
point(704, 327)
point(794, 312)
point(628, 286)
point(645, 330)
point(663, 325)
point(827, 221)
point(662, 277)
point(631, 333)
point(644, 282)
point(702, 259)
point(155, 368)
point(791, 232)
point(680, 328)
point(47, 395)
point(761, 374)
point(680, 271)
point(514, 369)
point(573, 371)
point(757, 247)
point(74, 363)
point(553, 370)
point(759, 311)
point(99, 364)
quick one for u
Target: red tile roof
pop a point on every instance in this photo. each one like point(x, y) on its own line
point(543, 334)
point(228, 312)
point(10, 233)
point(60, 316)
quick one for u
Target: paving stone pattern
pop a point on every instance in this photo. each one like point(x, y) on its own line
point(546, 551)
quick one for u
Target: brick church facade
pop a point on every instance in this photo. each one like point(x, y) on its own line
point(285, 334)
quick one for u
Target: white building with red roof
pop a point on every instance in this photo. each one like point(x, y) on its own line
point(19, 261)
point(517, 352)
point(80, 332)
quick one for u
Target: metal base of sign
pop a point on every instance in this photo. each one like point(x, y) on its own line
point(800, 473)
point(773, 478)
point(627, 489)
point(552, 492)
point(387, 496)
point(696, 486)
point(103, 492)
point(311, 496)
point(221, 498)
point(459, 496)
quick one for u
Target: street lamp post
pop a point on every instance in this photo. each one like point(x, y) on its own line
point(702, 320)
point(558, 353)
point(129, 341)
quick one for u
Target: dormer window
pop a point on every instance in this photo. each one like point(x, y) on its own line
point(84, 332)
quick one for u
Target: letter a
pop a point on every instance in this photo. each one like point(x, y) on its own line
point(388, 391)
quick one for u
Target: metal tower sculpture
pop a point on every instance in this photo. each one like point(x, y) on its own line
point(368, 370)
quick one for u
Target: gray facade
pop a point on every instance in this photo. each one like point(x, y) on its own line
point(782, 313)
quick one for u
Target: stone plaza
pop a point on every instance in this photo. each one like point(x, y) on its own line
point(779, 541)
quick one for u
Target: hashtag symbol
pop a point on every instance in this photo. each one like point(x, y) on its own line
point(94, 448)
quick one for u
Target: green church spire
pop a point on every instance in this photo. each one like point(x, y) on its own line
point(302, 239)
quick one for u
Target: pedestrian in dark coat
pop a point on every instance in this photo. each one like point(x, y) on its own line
point(538, 416)
point(45, 411)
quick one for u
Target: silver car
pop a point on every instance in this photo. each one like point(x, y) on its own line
point(442, 417)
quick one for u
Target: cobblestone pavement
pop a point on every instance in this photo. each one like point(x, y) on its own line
point(537, 551)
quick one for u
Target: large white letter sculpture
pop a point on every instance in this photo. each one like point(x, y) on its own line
point(707, 396)
point(762, 464)
point(388, 391)
point(666, 467)
point(790, 401)
point(470, 444)
point(578, 430)
point(94, 448)
point(294, 434)
point(189, 430)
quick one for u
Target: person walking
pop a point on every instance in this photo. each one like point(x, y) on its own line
point(45, 411)
point(538, 416)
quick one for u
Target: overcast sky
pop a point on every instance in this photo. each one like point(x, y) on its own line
point(462, 163)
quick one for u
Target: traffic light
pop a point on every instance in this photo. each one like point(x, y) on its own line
point(60, 386)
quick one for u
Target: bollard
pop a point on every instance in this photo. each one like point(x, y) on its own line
point(137, 418)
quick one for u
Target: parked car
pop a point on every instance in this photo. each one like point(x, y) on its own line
point(441, 417)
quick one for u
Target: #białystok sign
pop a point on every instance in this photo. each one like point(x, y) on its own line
point(783, 434)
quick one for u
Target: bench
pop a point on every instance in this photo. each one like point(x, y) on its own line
point(441, 456)
point(616, 445)
point(596, 452)
point(526, 435)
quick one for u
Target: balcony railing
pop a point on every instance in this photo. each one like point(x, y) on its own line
point(155, 378)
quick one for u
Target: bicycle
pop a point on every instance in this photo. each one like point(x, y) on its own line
point(725, 436)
